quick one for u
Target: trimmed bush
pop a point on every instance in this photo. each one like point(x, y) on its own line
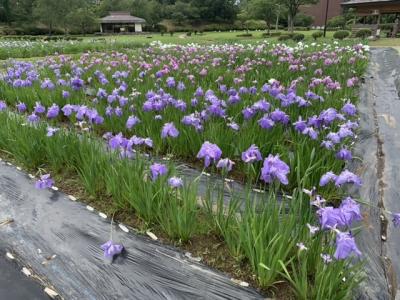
point(244, 35)
point(317, 34)
point(302, 20)
point(341, 34)
point(284, 37)
point(298, 37)
point(337, 22)
point(364, 33)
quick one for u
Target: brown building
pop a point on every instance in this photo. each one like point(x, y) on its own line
point(120, 22)
point(373, 7)
point(318, 10)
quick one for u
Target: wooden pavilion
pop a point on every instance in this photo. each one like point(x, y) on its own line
point(375, 9)
point(121, 22)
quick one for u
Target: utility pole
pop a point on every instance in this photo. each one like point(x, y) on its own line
point(326, 16)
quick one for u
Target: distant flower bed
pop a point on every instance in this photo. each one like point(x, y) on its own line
point(276, 117)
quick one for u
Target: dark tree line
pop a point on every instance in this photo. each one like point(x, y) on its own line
point(82, 15)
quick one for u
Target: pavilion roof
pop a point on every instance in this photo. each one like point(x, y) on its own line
point(360, 2)
point(121, 17)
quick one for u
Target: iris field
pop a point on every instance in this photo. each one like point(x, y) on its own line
point(279, 119)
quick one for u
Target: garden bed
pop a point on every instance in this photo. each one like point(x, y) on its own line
point(294, 104)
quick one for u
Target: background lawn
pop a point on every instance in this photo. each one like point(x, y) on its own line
point(206, 37)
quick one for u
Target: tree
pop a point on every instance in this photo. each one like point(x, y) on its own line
point(5, 11)
point(265, 10)
point(48, 12)
point(150, 10)
point(216, 10)
point(292, 7)
point(82, 19)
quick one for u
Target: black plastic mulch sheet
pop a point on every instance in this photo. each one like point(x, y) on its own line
point(49, 221)
point(379, 148)
point(14, 285)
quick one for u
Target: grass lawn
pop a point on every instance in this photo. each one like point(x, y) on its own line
point(386, 42)
point(207, 37)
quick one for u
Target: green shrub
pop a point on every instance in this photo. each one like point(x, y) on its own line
point(341, 34)
point(301, 28)
point(317, 34)
point(244, 35)
point(298, 37)
point(302, 20)
point(336, 22)
point(364, 33)
point(284, 37)
point(271, 34)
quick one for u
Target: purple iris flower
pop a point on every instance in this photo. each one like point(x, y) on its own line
point(233, 99)
point(65, 94)
point(266, 122)
point(248, 113)
point(47, 84)
point(345, 132)
point(347, 177)
point(350, 211)
point(44, 182)
point(344, 154)
point(77, 83)
point(67, 110)
point(199, 92)
point(111, 98)
point(225, 164)
point(110, 249)
point(175, 182)
point(349, 109)
point(118, 111)
point(116, 141)
point(53, 111)
point(327, 144)
point(181, 86)
point(233, 126)
point(300, 125)
point(194, 102)
point(330, 217)
point(51, 131)
point(157, 170)
point(170, 82)
point(3, 106)
point(327, 177)
point(311, 132)
point(210, 152)
point(33, 118)
point(39, 108)
point(333, 137)
point(101, 93)
point(132, 121)
point(279, 116)
point(252, 154)
point(169, 129)
point(328, 116)
point(274, 168)
point(21, 107)
point(261, 105)
point(396, 220)
point(345, 246)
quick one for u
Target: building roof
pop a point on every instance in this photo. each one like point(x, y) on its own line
point(361, 2)
point(121, 17)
